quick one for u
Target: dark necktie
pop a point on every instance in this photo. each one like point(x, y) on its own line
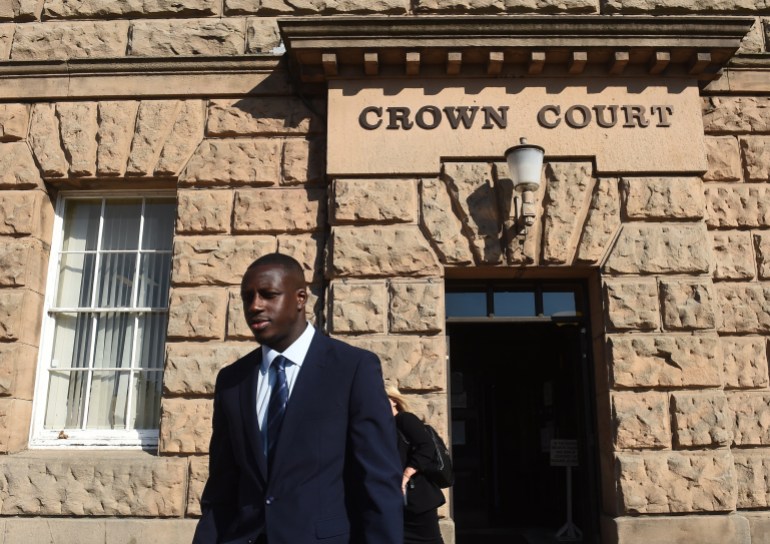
point(276, 408)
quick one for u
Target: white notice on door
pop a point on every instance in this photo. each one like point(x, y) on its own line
point(564, 453)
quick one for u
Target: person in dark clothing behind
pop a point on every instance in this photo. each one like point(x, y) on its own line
point(421, 497)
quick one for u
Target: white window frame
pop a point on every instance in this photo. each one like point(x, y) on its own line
point(87, 438)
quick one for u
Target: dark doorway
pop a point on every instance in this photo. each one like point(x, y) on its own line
point(516, 385)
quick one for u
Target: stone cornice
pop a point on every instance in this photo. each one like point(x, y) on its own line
point(747, 73)
point(143, 77)
point(323, 48)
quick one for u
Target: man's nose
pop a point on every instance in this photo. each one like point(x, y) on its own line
point(257, 304)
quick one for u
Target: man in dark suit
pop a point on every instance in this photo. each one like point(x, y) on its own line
point(303, 448)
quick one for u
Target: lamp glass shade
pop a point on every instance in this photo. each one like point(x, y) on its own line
point(525, 163)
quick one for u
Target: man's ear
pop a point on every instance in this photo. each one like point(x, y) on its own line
point(301, 297)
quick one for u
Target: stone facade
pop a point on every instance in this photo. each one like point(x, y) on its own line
point(682, 264)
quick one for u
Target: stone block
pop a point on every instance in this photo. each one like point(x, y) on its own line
point(111, 483)
point(15, 417)
point(752, 468)
point(308, 250)
point(660, 249)
point(753, 42)
point(397, 250)
point(6, 39)
point(260, 116)
point(78, 127)
point(762, 245)
point(759, 525)
point(701, 419)
point(71, 39)
point(663, 198)
point(28, 10)
point(20, 326)
point(187, 37)
point(316, 7)
point(185, 135)
point(602, 221)
point(197, 314)
point(167, 531)
point(191, 368)
point(199, 473)
point(237, 329)
point(154, 120)
point(751, 411)
point(54, 531)
point(678, 530)
point(641, 420)
point(444, 227)
point(416, 306)
point(23, 263)
point(98, 9)
point(26, 213)
point(304, 161)
point(185, 425)
point(410, 363)
point(375, 201)
point(358, 307)
point(17, 167)
point(674, 482)
point(738, 205)
point(18, 363)
point(216, 260)
point(724, 159)
point(688, 305)
point(736, 114)
point(262, 35)
point(279, 210)
point(204, 211)
point(745, 362)
point(117, 121)
point(14, 121)
point(756, 154)
point(474, 199)
point(569, 188)
point(665, 361)
point(735, 7)
point(632, 305)
point(745, 307)
point(234, 162)
point(733, 258)
point(45, 142)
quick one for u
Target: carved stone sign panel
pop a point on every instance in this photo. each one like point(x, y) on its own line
point(407, 127)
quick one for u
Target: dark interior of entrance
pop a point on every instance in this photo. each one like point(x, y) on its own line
point(514, 388)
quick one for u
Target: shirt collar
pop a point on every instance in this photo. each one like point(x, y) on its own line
point(295, 353)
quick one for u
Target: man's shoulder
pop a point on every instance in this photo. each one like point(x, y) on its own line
point(342, 349)
point(235, 372)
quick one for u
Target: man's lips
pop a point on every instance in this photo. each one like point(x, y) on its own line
point(258, 325)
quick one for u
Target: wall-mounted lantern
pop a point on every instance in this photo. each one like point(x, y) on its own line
point(525, 164)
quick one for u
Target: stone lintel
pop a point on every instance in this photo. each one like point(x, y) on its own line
point(475, 37)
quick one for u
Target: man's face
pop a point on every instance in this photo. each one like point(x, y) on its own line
point(274, 305)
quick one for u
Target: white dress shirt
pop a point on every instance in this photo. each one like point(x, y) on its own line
point(296, 354)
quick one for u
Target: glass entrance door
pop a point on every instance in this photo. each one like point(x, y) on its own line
point(519, 382)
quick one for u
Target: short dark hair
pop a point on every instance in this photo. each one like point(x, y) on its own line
point(288, 263)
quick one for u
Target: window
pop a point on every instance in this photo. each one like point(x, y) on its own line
point(101, 356)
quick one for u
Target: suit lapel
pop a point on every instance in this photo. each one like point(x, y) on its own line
point(308, 380)
point(248, 395)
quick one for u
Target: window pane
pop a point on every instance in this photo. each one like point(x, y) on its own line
point(515, 304)
point(76, 280)
point(466, 304)
point(147, 390)
point(121, 224)
point(72, 340)
point(66, 400)
point(81, 225)
point(116, 280)
point(154, 280)
point(159, 218)
point(109, 396)
point(151, 341)
point(114, 340)
point(559, 303)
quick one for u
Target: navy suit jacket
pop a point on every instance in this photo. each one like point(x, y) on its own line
point(336, 476)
